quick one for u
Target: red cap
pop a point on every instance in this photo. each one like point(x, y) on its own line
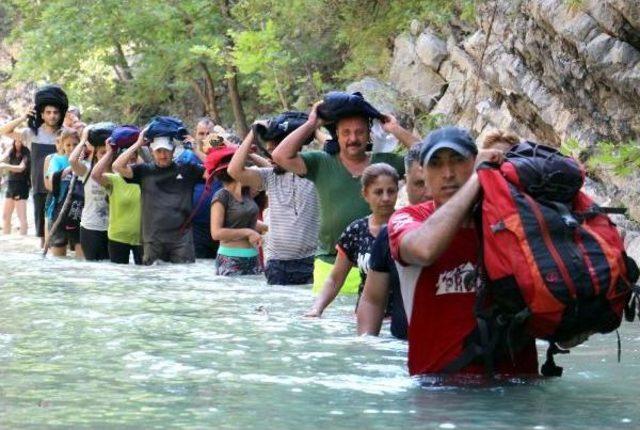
point(218, 159)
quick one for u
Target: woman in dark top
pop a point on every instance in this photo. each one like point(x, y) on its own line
point(234, 222)
point(380, 190)
point(16, 161)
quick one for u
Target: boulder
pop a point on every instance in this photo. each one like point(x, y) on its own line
point(431, 50)
point(411, 77)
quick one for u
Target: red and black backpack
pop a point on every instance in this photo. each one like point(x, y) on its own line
point(552, 263)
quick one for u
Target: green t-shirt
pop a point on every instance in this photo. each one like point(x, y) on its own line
point(124, 210)
point(341, 200)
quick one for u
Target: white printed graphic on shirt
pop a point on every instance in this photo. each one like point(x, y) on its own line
point(462, 279)
point(401, 219)
point(363, 262)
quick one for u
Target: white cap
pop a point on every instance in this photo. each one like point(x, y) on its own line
point(162, 142)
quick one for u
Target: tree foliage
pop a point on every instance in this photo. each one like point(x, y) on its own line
point(130, 60)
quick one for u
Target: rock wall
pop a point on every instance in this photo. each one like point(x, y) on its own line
point(541, 68)
point(547, 70)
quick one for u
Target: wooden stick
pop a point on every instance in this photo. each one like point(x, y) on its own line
point(61, 215)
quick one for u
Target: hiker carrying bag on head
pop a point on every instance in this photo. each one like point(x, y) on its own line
point(553, 265)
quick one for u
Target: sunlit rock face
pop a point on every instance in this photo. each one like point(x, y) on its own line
point(541, 68)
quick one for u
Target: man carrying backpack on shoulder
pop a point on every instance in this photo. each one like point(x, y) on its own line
point(437, 248)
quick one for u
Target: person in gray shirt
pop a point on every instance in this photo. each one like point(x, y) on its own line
point(294, 217)
point(41, 143)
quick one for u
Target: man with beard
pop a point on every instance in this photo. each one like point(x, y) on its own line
point(44, 120)
point(437, 248)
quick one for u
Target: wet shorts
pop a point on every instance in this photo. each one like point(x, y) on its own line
point(240, 262)
point(63, 237)
point(180, 251)
point(289, 272)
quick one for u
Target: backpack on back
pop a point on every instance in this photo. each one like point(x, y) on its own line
point(553, 264)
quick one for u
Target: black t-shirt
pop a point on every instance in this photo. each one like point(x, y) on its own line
point(15, 158)
point(381, 261)
point(166, 198)
point(355, 241)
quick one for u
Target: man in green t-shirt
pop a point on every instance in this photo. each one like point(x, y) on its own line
point(337, 176)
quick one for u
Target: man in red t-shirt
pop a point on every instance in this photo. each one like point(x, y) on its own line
point(436, 246)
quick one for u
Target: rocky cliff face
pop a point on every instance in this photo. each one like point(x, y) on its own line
point(539, 67)
point(543, 69)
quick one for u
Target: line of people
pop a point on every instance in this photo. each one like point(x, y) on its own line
point(161, 194)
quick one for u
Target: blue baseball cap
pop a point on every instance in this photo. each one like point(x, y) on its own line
point(455, 138)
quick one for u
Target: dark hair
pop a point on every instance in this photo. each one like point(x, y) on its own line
point(412, 156)
point(373, 171)
point(224, 176)
point(23, 149)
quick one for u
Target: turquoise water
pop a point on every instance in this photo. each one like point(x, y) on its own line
point(93, 345)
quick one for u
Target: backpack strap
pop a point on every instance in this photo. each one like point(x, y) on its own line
point(187, 223)
point(613, 210)
point(484, 339)
point(550, 368)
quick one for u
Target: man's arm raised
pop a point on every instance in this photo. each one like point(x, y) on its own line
point(424, 245)
point(121, 165)
point(391, 125)
point(287, 153)
point(237, 167)
point(9, 129)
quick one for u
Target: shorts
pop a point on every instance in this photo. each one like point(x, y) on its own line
point(17, 190)
point(180, 251)
point(289, 272)
point(63, 237)
point(321, 271)
point(95, 244)
point(236, 265)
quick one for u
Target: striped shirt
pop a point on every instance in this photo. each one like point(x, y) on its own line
point(294, 216)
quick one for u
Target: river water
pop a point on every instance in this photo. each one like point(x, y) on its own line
point(94, 345)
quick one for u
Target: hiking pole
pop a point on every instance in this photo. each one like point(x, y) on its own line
point(61, 215)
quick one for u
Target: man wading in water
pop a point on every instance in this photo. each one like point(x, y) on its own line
point(337, 176)
point(167, 190)
point(45, 119)
point(436, 246)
